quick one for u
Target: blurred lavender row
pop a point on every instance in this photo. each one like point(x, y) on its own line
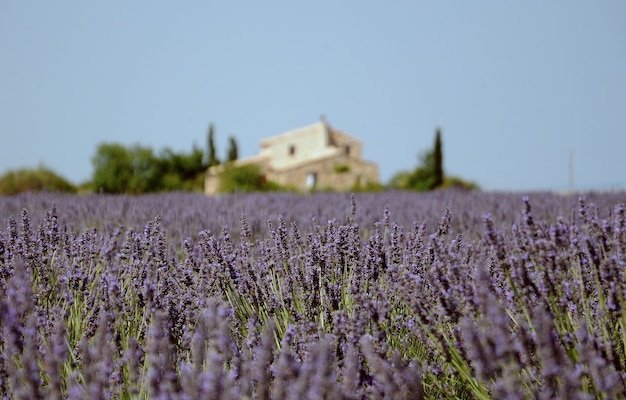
point(283, 296)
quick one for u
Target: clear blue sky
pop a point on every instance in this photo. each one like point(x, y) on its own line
point(516, 87)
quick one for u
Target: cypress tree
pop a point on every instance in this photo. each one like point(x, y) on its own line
point(212, 157)
point(232, 149)
point(437, 161)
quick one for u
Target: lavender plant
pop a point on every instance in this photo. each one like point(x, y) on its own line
point(283, 296)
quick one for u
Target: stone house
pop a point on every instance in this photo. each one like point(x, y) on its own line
point(315, 157)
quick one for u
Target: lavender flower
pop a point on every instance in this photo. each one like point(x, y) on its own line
point(250, 296)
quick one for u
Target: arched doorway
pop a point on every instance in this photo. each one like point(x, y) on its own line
point(311, 180)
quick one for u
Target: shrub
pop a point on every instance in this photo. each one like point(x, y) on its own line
point(34, 180)
point(245, 178)
point(454, 182)
point(342, 168)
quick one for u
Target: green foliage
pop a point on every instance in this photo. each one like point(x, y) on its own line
point(118, 169)
point(171, 182)
point(186, 166)
point(33, 180)
point(245, 178)
point(369, 187)
point(437, 155)
point(429, 174)
point(146, 170)
point(135, 170)
point(232, 152)
point(454, 182)
point(421, 179)
point(342, 168)
point(112, 171)
point(212, 159)
point(400, 180)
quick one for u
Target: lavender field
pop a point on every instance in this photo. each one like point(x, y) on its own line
point(394, 295)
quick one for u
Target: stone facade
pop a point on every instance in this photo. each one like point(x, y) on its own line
point(315, 157)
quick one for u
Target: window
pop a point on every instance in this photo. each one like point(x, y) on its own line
point(347, 149)
point(291, 150)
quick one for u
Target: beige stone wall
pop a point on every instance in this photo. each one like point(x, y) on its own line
point(340, 139)
point(299, 144)
point(211, 184)
point(334, 173)
point(212, 180)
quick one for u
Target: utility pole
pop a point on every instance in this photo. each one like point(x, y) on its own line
point(571, 171)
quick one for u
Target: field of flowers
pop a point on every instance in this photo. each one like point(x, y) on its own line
point(392, 295)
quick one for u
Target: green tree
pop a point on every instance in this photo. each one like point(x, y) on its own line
point(118, 169)
point(187, 166)
point(428, 175)
point(212, 159)
point(147, 170)
point(438, 175)
point(401, 180)
point(112, 168)
point(183, 171)
point(421, 179)
point(232, 149)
